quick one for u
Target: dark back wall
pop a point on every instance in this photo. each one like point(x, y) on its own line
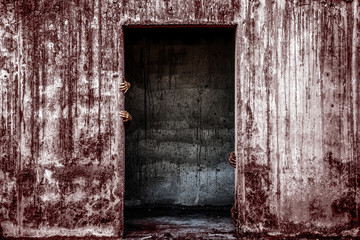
point(182, 102)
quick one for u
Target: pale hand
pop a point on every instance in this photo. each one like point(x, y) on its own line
point(124, 86)
point(125, 116)
point(232, 159)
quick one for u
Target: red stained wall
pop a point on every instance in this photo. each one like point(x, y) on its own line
point(297, 111)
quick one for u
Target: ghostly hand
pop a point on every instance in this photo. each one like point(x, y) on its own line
point(126, 116)
point(124, 86)
point(232, 159)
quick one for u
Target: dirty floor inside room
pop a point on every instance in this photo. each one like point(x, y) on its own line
point(178, 223)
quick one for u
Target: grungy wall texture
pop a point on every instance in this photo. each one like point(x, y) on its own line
point(60, 130)
point(182, 102)
point(297, 111)
point(298, 116)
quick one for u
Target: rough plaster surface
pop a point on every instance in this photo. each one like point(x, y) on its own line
point(182, 102)
point(60, 130)
point(297, 115)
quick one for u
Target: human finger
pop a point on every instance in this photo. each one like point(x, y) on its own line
point(125, 118)
point(230, 161)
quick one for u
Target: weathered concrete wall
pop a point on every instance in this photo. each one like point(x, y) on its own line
point(60, 130)
point(297, 115)
point(182, 102)
point(62, 142)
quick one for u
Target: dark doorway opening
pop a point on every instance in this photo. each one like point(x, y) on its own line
point(182, 103)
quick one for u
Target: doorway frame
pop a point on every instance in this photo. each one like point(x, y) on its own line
point(239, 177)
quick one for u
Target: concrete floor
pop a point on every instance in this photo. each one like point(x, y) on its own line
point(189, 227)
point(179, 224)
point(174, 222)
